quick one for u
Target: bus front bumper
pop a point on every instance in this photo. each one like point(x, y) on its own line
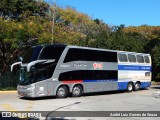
point(26, 91)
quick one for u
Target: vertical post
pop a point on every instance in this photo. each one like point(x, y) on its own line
point(53, 24)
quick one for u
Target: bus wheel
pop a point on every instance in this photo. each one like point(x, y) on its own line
point(130, 87)
point(62, 92)
point(137, 86)
point(77, 91)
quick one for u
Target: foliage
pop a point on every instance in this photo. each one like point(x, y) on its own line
point(21, 9)
point(8, 88)
point(150, 32)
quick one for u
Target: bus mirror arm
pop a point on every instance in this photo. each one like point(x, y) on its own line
point(33, 63)
point(17, 63)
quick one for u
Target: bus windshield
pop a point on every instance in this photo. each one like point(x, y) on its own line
point(25, 77)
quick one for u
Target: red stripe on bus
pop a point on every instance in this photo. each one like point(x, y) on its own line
point(73, 81)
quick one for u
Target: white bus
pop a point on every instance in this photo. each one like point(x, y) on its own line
point(57, 70)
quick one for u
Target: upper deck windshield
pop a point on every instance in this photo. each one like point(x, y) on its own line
point(32, 54)
point(51, 52)
point(43, 53)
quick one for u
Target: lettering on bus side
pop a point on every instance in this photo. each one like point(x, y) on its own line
point(80, 65)
point(64, 66)
point(98, 65)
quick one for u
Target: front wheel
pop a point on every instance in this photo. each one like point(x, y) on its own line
point(77, 91)
point(62, 92)
point(130, 87)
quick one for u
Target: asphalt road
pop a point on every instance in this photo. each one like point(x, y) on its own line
point(143, 100)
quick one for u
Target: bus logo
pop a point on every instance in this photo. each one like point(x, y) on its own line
point(97, 65)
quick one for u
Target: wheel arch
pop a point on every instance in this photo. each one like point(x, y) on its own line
point(137, 82)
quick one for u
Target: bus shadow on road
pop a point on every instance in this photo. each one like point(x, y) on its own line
point(104, 93)
point(155, 87)
point(110, 92)
point(38, 98)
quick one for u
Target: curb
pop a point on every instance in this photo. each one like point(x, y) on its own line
point(14, 91)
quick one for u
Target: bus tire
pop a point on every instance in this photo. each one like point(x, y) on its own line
point(130, 87)
point(77, 91)
point(137, 86)
point(62, 92)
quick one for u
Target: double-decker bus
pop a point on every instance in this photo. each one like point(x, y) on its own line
point(59, 70)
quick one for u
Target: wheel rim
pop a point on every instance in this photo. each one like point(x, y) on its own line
point(130, 87)
point(137, 86)
point(61, 92)
point(76, 91)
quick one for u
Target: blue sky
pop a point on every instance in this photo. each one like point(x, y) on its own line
point(116, 12)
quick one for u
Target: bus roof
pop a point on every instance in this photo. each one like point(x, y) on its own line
point(80, 47)
point(118, 51)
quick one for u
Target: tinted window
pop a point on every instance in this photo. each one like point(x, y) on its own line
point(131, 58)
point(90, 55)
point(88, 75)
point(103, 56)
point(140, 59)
point(122, 57)
point(43, 71)
point(32, 54)
point(75, 54)
point(51, 52)
point(146, 59)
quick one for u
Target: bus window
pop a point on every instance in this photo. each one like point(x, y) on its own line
point(140, 59)
point(102, 56)
point(122, 57)
point(89, 75)
point(90, 55)
point(131, 58)
point(74, 54)
point(43, 71)
point(146, 58)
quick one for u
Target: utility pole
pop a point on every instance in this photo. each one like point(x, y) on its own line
point(53, 19)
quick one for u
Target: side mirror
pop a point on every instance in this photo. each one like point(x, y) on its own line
point(17, 63)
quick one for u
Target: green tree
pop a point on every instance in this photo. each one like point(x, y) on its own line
point(7, 43)
point(156, 62)
point(20, 9)
point(119, 40)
